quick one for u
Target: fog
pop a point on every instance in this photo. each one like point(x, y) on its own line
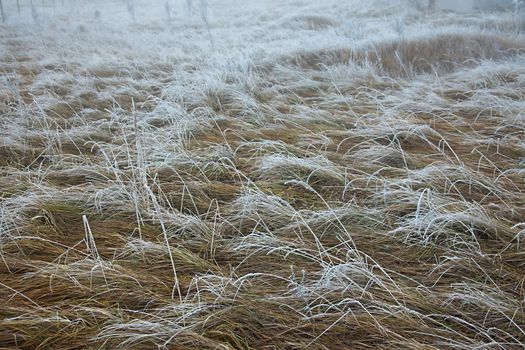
point(468, 5)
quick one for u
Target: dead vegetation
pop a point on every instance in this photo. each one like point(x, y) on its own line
point(439, 53)
point(363, 197)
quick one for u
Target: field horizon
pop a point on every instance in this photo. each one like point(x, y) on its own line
point(269, 174)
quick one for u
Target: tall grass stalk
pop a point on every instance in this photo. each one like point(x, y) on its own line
point(2, 11)
point(130, 7)
point(34, 12)
point(205, 20)
point(189, 7)
point(167, 8)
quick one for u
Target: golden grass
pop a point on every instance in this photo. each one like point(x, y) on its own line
point(325, 206)
point(405, 57)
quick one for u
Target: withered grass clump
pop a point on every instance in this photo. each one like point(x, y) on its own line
point(365, 197)
point(442, 52)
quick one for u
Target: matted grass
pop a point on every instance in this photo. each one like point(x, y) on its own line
point(327, 176)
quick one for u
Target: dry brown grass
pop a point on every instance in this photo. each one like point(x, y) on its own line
point(327, 199)
point(441, 53)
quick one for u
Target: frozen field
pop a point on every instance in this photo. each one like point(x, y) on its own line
point(292, 174)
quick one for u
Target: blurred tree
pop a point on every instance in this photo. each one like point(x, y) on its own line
point(167, 8)
point(2, 11)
